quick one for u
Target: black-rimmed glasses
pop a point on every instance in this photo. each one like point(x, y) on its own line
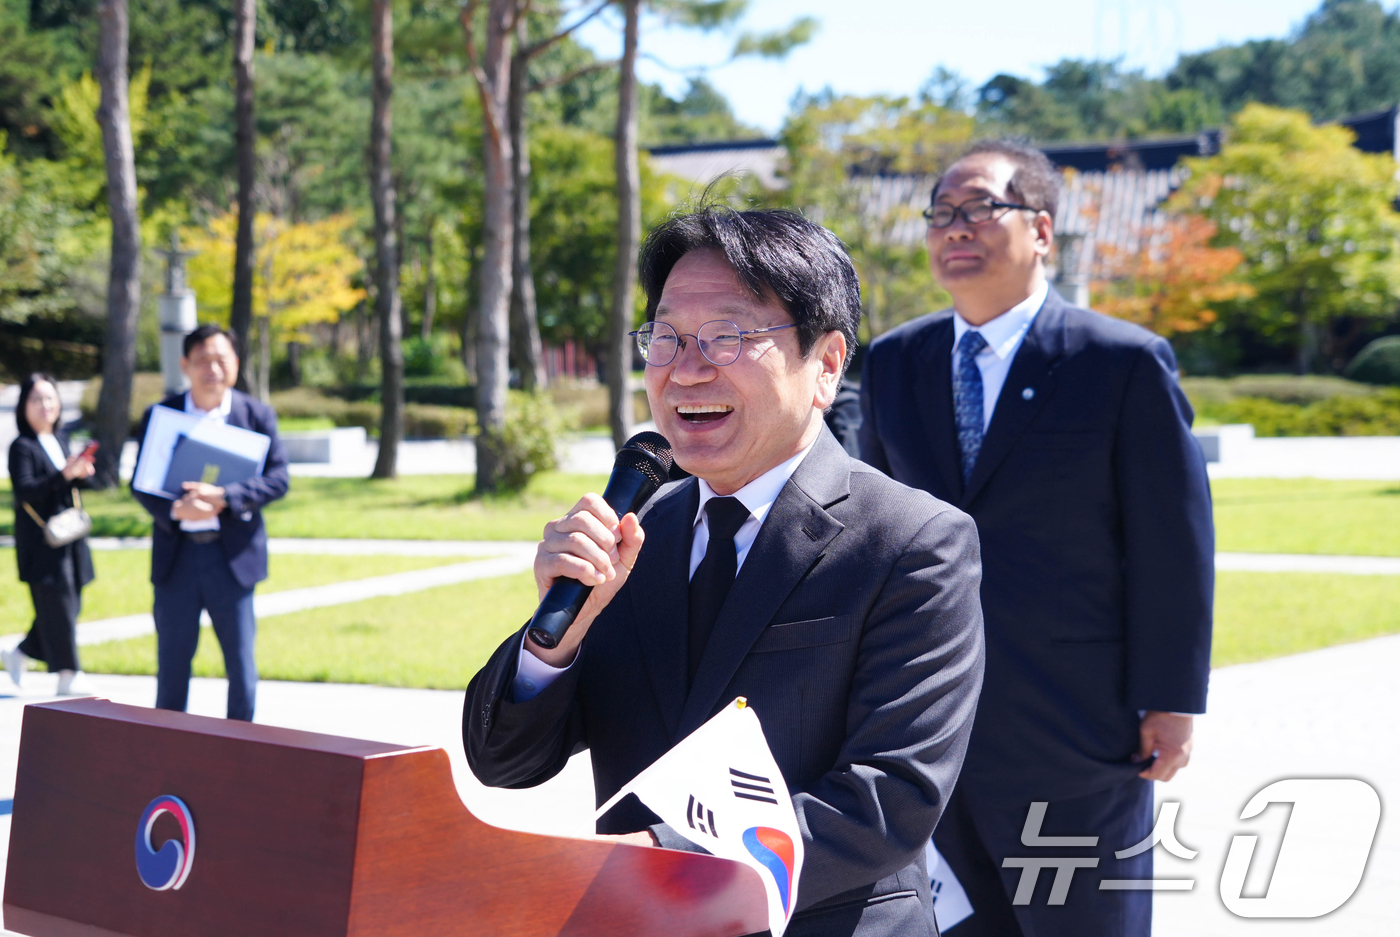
point(718, 340)
point(973, 211)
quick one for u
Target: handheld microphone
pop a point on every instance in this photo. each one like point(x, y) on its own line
point(641, 467)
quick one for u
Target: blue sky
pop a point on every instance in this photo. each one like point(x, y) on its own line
point(893, 45)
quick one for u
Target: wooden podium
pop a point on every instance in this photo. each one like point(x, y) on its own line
point(305, 835)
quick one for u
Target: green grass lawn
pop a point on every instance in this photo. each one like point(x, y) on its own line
point(123, 583)
point(1253, 515)
point(1264, 615)
point(1307, 515)
point(435, 638)
point(440, 637)
point(414, 507)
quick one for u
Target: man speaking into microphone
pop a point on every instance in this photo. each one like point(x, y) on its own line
point(843, 605)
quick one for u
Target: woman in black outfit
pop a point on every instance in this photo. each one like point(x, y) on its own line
point(43, 474)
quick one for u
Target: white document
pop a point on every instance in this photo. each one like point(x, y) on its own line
point(950, 904)
point(720, 788)
point(168, 425)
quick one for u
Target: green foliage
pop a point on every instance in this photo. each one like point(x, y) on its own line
point(1344, 59)
point(529, 441)
point(1283, 388)
point(827, 138)
point(421, 421)
point(427, 357)
point(1378, 362)
point(1313, 217)
point(1092, 100)
point(1374, 415)
point(30, 271)
point(702, 114)
point(573, 230)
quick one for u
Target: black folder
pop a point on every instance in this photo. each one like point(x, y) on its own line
point(195, 461)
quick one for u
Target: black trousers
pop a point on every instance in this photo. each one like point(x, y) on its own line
point(979, 831)
point(53, 638)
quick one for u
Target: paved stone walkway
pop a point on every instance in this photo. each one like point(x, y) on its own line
point(1328, 713)
point(1308, 563)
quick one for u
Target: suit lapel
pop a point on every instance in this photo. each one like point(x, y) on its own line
point(1033, 370)
point(793, 536)
point(238, 411)
point(935, 401)
point(661, 611)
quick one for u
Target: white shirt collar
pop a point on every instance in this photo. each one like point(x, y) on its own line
point(225, 406)
point(1004, 333)
point(758, 495)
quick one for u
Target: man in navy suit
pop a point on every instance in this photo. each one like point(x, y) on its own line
point(209, 547)
point(1065, 435)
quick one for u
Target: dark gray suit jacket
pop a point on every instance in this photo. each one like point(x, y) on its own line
point(1093, 506)
point(855, 631)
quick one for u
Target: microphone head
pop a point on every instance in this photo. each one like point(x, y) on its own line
point(655, 445)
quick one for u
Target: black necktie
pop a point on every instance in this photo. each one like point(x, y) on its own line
point(714, 576)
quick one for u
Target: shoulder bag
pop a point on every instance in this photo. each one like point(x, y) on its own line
point(65, 527)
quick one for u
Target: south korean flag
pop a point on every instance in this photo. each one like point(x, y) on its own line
point(721, 789)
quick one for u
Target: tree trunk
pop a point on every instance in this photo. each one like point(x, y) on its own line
point(264, 385)
point(124, 278)
point(471, 311)
point(386, 299)
point(294, 363)
point(429, 286)
point(493, 326)
point(526, 352)
point(618, 350)
point(245, 150)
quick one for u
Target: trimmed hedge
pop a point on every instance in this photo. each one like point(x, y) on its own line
point(1378, 362)
point(1372, 415)
point(420, 421)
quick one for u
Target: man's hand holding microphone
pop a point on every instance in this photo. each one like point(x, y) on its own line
point(587, 555)
point(592, 545)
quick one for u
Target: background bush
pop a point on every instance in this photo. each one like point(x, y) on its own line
point(1378, 362)
point(530, 440)
point(421, 421)
point(1371, 415)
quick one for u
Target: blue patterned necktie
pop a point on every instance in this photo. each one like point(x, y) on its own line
point(967, 400)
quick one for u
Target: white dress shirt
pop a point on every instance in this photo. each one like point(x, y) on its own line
point(53, 450)
point(1004, 335)
point(221, 415)
point(533, 675)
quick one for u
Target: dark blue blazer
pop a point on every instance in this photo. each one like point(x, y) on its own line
point(1093, 507)
point(241, 531)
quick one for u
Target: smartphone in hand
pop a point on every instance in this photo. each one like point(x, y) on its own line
point(89, 451)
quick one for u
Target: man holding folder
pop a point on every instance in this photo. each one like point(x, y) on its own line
point(209, 546)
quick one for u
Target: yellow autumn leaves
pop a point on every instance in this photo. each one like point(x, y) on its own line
point(304, 272)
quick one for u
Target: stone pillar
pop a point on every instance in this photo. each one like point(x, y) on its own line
point(177, 316)
point(1071, 273)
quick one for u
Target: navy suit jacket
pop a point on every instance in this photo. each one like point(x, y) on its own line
point(1093, 507)
point(853, 629)
point(241, 532)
